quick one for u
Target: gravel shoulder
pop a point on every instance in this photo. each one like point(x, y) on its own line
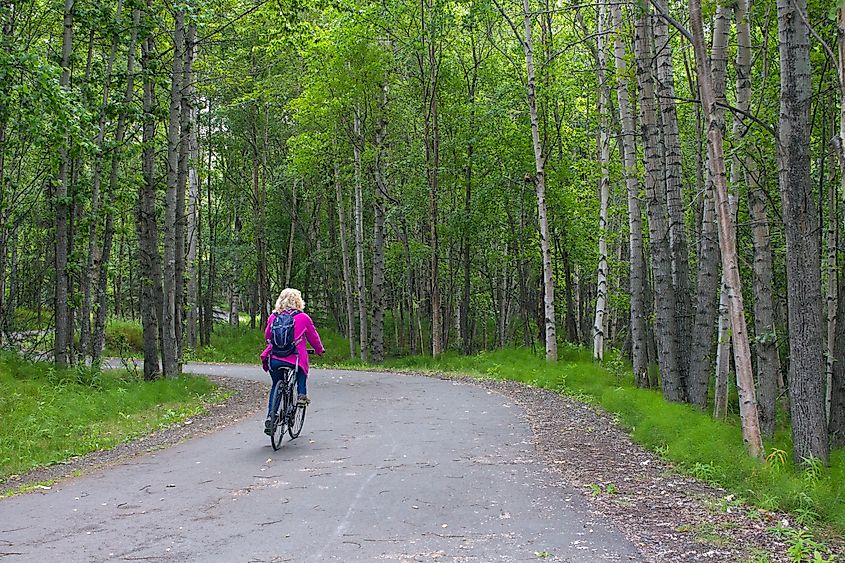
point(247, 398)
point(668, 516)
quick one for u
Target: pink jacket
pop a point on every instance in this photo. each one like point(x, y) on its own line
point(302, 325)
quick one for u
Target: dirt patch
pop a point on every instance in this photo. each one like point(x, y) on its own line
point(247, 398)
point(669, 517)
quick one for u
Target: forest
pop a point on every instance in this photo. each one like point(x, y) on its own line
point(444, 176)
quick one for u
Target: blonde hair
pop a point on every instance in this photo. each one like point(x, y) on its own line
point(289, 298)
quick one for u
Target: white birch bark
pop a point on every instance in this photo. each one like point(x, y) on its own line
point(344, 256)
point(658, 219)
point(192, 234)
point(358, 138)
point(604, 184)
point(636, 257)
point(379, 210)
point(742, 349)
point(836, 386)
point(540, 186)
point(768, 361)
point(673, 174)
point(168, 330)
point(719, 60)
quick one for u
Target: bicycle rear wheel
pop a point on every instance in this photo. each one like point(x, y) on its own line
point(279, 421)
point(298, 419)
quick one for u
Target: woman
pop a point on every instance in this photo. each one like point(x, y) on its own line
point(290, 303)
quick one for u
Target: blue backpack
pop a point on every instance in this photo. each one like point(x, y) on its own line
point(281, 334)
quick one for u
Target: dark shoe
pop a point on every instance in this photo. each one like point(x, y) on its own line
point(268, 426)
point(303, 400)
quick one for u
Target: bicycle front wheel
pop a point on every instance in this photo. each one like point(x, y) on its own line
point(295, 426)
point(279, 419)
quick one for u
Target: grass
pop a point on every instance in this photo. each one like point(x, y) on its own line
point(48, 415)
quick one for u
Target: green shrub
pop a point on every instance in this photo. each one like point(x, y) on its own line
point(123, 339)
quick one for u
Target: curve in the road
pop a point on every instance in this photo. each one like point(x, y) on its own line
point(388, 467)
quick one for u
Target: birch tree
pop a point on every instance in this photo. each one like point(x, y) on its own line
point(658, 226)
point(64, 330)
point(801, 227)
point(636, 256)
point(604, 183)
point(727, 241)
point(526, 39)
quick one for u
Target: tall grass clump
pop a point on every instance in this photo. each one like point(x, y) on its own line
point(49, 415)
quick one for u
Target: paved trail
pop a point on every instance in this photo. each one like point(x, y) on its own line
point(388, 467)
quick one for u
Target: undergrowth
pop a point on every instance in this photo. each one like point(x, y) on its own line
point(49, 415)
point(241, 344)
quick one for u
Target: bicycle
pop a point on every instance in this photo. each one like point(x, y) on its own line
point(289, 414)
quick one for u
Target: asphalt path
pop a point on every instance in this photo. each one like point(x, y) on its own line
point(388, 467)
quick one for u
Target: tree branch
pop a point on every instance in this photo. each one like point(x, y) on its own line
point(664, 13)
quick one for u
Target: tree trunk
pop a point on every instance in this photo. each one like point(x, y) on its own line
point(727, 240)
point(701, 351)
point(637, 275)
point(698, 377)
point(540, 186)
point(377, 294)
point(723, 354)
point(208, 300)
point(344, 257)
point(169, 348)
point(432, 160)
point(832, 289)
point(99, 337)
point(465, 325)
point(64, 330)
point(836, 426)
point(358, 139)
point(413, 334)
point(801, 227)
point(151, 297)
point(836, 423)
point(192, 301)
point(7, 310)
point(768, 361)
point(258, 306)
point(604, 184)
point(291, 234)
point(723, 347)
point(670, 376)
point(186, 126)
point(12, 301)
point(674, 198)
point(92, 263)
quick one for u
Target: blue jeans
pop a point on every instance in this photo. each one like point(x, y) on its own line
point(277, 369)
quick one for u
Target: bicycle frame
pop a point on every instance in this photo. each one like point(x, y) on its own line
point(288, 414)
point(288, 382)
